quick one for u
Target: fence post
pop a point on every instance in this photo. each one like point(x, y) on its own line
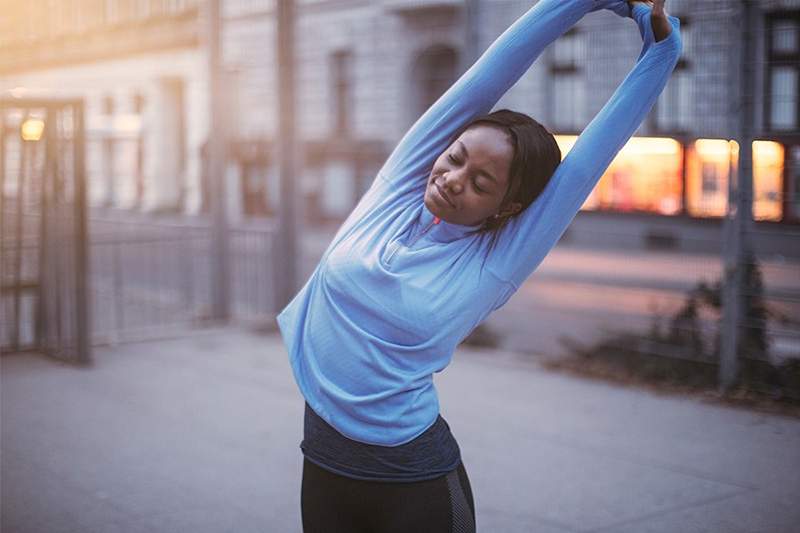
point(220, 253)
point(286, 257)
point(82, 262)
point(737, 245)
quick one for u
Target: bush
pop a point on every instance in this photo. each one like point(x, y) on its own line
point(685, 355)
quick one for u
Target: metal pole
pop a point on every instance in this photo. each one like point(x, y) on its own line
point(737, 245)
point(285, 278)
point(220, 253)
point(24, 149)
point(82, 309)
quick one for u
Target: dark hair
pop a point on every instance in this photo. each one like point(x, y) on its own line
point(536, 157)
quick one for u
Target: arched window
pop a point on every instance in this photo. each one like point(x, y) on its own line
point(433, 73)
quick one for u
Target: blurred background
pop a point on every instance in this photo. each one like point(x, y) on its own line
point(156, 190)
point(172, 167)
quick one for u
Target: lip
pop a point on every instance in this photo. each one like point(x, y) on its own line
point(443, 195)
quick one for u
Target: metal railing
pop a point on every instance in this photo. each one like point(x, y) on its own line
point(153, 278)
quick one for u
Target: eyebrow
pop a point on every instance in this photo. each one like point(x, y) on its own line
point(480, 171)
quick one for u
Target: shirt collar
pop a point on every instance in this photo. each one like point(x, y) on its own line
point(443, 231)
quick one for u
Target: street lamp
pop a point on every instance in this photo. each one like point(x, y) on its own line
point(31, 129)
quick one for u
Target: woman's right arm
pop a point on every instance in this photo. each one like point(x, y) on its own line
point(528, 238)
point(479, 89)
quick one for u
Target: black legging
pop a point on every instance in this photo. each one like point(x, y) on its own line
point(331, 503)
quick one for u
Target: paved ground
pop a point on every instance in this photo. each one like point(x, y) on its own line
point(201, 434)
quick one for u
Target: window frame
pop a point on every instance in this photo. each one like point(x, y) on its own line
point(780, 59)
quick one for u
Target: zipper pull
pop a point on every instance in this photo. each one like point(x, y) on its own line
point(436, 220)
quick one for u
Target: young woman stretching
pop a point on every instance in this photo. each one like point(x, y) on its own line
point(462, 212)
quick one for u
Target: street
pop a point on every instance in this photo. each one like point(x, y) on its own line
point(201, 434)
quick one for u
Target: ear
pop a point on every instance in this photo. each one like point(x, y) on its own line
point(511, 209)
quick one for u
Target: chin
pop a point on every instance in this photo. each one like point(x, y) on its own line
point(431, 205)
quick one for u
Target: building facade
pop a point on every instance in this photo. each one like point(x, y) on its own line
point(366, 69)
point(141, 70)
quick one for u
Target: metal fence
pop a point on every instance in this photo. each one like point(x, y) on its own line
point(43, 228)
point(153, 278)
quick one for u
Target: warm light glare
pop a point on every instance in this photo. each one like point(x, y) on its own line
point(644, 176)
point(32, 129)
point(635, 146)
point(127, 123)
point(708, 171)
point(651, 146)
point(768, 151)
point(565, 143)
point(713, 148)
point(768, 159)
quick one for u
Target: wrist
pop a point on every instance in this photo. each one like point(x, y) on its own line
point(661, 26)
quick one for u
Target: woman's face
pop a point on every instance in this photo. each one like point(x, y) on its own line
point(470, 178)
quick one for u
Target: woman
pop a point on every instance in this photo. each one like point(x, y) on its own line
point(446, 234)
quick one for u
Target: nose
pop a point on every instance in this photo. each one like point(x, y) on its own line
point(453, 181)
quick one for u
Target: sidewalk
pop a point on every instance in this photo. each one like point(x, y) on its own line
point(201, 434)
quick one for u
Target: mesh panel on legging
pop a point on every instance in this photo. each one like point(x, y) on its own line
point(463, 517)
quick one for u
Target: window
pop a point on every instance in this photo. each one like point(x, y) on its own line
point(708, 167)
point(674, 107)
point(569, 81)
point(783, 71)
point(434, 72)
point(645, 176)
point(342, 91)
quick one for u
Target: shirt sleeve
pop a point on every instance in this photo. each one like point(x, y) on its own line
point(526, 239)
point(478, 90)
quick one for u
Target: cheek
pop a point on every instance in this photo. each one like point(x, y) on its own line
point(483, 203)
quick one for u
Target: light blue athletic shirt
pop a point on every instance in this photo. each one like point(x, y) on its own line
point(395, 293)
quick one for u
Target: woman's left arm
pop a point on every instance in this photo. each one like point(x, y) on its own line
point(528, 238)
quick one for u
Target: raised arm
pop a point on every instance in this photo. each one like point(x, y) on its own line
point(527, 239)
point(479, 89)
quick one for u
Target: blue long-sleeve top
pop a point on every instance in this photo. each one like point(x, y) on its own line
point(395, 293)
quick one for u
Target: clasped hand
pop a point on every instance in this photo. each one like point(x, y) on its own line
point(658, 17)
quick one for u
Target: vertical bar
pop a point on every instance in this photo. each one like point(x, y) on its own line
point(2, 187)
point(42, 300)
point(185, 267)
point(684, 209)
point(118, 295)
point(82, 310)
point(220, 256)
point(738, 251)
point(56, 231)
point(23, 164)
point(3, 325)
point(285, 260)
